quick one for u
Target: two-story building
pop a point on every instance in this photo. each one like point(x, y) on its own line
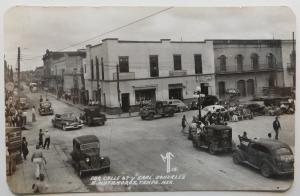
point(289, 62)
point(148, 70)
point(250, 66)
point(63, 71)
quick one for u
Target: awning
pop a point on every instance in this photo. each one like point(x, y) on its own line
point(174, 86)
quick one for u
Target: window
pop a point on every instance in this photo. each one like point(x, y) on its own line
point(92, 70)
point(177, 62)
point(198, 63)
point(222, 60)
point(97, 69)
point(102, 68)
point(84, 68)
point(239, 62)
point(154, 72)
point(270, 60)
point(123, 63)
point(254, 61)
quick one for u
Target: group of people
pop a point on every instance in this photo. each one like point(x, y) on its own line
point(14, 116)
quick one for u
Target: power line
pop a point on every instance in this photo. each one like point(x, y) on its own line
point(110, 31)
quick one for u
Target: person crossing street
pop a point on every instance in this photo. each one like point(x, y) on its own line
point(276, 126)
point(47, 140)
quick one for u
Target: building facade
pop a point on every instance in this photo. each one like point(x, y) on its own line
point(63, 71)
point(148, 70)
point(253, 67)
point(289, 62)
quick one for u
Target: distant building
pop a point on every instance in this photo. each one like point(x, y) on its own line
point(253, 67)
point(38, 74)
point(63, 71)
point(148, 70)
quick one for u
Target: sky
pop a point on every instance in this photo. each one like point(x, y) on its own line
point(36, 29)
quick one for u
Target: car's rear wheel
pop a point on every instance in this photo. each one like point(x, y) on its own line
point(212, 149)
point(151, 116)
point(236, 157)
point(266, 170)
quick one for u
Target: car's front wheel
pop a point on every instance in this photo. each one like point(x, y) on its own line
point(212, 149)
point(266, 170)
point(64, 127)
point(236, 157)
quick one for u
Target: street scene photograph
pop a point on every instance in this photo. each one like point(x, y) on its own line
point(149, 99)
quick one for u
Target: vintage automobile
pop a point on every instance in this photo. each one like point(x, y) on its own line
point(180, 106)
point(256, 108)
point(216, 138)
point(213, 109)
point(157, 109)
point(24, 105)
point(86, 156)
point(67, 121)
point(270, 156)
point(205, 101)
point(46, 108)
point(93, 116)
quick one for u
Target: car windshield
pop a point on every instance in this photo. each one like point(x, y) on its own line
point(93, 111)
point(90, 147)
point(46, 104)
point(69, 116)
point(283, 151)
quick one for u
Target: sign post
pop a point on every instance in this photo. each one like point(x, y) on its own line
point(198, 95)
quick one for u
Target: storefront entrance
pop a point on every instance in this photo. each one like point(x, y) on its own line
point(145, 95)
point(125, 102)
point(175, 91)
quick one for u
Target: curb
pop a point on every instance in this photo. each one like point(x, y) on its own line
point(70, 104)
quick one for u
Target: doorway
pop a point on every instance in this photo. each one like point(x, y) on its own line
point(125, 102)
point(241, 87)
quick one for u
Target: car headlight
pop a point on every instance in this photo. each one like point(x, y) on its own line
point(81, 121)
point(87, 159)
point(67, 123)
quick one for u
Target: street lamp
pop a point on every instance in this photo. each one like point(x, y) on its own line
point(197, 94)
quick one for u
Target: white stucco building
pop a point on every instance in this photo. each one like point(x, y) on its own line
point(149, 70)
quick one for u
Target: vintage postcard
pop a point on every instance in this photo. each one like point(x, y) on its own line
point(127, 99)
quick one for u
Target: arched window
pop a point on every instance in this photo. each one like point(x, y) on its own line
point(222, 60)
point(241, 86)
point(254, 61)
point(221, 89)
point(270, 60)
point(239, 62)
point(250, 87)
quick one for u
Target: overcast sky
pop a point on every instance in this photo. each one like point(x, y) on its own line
point(36, 29)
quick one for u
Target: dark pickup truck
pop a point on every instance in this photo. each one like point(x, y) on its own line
point(157, 109)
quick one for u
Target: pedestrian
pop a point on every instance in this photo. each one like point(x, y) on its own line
point(47, 140)
point(183, 123)
point(41, 135)
point(25, 150)
point(33, 114)
point(38, 159)
point(24, 118)
point(276, 126)
point(41, 98)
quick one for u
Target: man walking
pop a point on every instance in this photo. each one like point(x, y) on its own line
point(47, 140)
point(276, 126)
point(183, 123)
point(38, 159)
point(41, 134)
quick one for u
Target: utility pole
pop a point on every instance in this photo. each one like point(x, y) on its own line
point(118, 86)
point(293, 63)
point(98, 78)
point(19, 54)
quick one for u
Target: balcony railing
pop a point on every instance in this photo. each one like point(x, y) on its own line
point(124, 76)
point(247, 68)
point(177, 73)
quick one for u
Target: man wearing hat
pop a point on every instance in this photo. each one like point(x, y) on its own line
point(47, 139)
point(276, 126)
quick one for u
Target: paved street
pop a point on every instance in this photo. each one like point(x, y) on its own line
point(135, 147)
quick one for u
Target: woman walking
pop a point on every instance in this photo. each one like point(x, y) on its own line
point(33, 114)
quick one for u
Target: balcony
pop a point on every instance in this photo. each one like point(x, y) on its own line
point(178, 73)
point(124, 76)
point(233, 69)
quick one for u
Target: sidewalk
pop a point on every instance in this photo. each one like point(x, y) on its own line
point(59, 174)
point(108, 116)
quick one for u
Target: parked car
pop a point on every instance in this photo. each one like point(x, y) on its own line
point(255, 108)
point(180, 106)
point(93, 116)
point(24, 105)
point(271, 157)
point(212, 109)
point(157, 109)
point(46, 108)
point(86, 156)
point(67, 121)
point(216, 138)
